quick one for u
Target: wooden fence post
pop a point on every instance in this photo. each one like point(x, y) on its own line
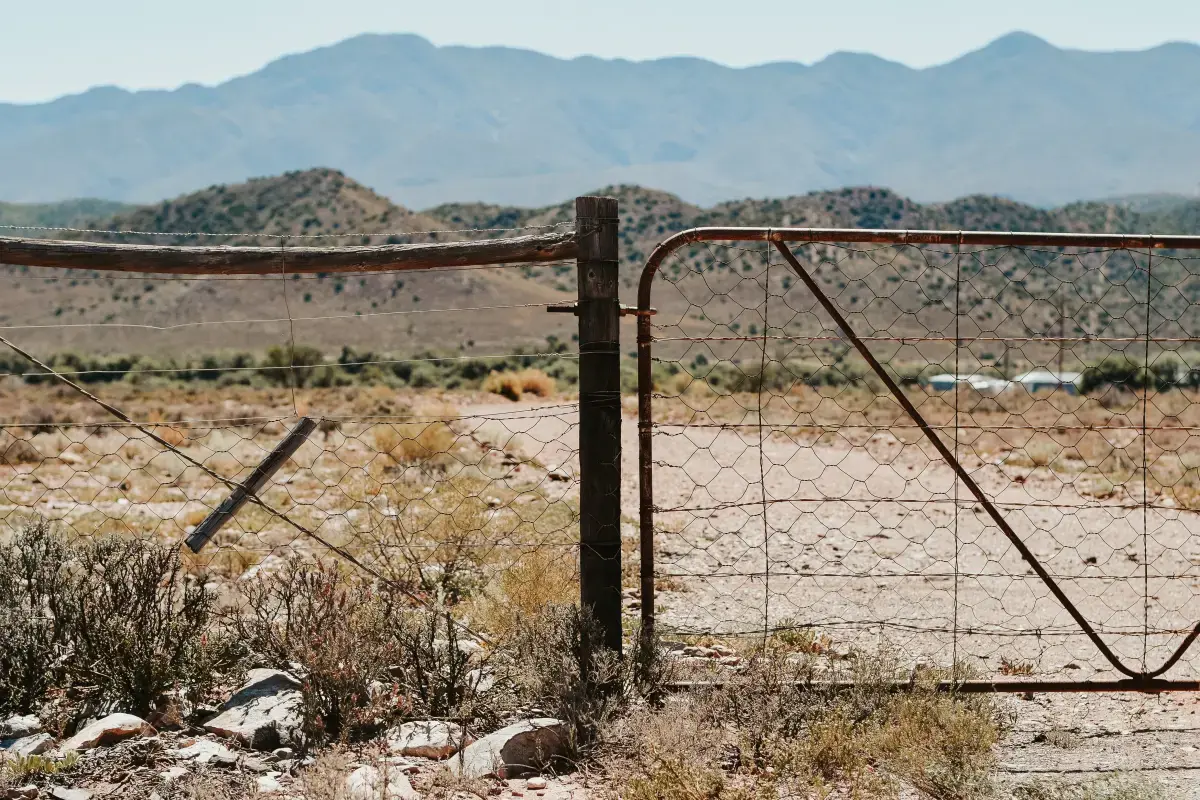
point(599, 313)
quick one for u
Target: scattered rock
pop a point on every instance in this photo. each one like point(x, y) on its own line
point(536, 783)
point(33, 745)
point(514, 750)
point(271, 563)
point(368, 783)
point(173, 774)
point(203, 713)
point(267, 784)
point(255, 765)
point(283, 753)
point(427, 739)
point(20, 726)
point(206, 751)
point(558, 474)
point(264, 713)
point(481, 680)
point(59, 793)
point(109, 730)
point(29, 792)
point(465, 646)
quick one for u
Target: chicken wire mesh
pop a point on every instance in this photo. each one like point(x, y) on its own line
point(440, 464)
point(792, 491)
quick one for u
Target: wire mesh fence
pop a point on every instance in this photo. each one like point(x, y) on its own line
point(444, 455)
point(794, 491)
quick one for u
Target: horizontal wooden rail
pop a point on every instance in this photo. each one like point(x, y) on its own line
point(285, 260)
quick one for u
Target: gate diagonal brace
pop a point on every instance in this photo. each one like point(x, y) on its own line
point(213, 523)
point(968, 481)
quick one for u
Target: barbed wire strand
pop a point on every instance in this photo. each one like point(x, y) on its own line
point(251, 496)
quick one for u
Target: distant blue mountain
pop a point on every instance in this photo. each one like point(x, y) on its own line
point(426, 124)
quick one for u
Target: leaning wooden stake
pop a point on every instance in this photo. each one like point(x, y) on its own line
point(213, 523)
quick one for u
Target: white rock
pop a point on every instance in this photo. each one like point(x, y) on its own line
point(33, 745)
point(271, 563)
point(558, 474)
point(173, 774)
point(20, 726)
point(535, 783)
point(481, 680)
point(514, 750)
point(203, 751)
point(368, 783)
point(264, 713)
point(465, 646)
point(106, 731)
point(59, 793)
point(267, 784)
point(426, 739)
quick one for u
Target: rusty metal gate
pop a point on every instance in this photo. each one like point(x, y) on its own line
point(971, 447)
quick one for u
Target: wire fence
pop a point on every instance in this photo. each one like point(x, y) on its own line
point(1013, 486)
point(444, 452)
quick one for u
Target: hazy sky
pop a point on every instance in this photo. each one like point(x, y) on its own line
point(64, 46)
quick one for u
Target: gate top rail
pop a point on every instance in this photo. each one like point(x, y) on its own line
point(226, 260)
point(1102, 241)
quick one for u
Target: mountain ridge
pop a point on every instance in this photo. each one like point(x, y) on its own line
point(427, 124)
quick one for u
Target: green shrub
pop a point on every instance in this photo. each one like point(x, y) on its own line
point(34, 579)
point(290, 366)
point(114, 618)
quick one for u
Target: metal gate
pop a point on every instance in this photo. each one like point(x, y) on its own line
point(972, 447)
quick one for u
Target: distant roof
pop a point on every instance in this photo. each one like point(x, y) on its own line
point(1047, 376)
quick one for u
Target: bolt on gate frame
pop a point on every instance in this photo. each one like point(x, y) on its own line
point(1070, 494)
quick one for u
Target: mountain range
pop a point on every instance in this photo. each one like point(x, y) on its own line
point(426, 125)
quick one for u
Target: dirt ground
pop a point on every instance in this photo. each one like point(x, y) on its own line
point(864, 541)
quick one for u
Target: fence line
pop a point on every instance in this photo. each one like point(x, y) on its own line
point(477, 505)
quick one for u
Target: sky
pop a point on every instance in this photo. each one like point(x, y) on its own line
point(140, 44)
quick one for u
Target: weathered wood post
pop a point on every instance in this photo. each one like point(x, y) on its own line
point(599, 312)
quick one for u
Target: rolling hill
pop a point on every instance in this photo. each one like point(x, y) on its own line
point(424, 124)
point(1012, 292)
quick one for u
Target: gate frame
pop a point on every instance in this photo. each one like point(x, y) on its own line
point(781, 238)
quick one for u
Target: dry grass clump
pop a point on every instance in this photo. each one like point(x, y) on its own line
point(558, 666)
point(430, 444)
point(457, 539)
point(15, 451)
point(1109, 787)
point(537, 580)
point(777, 729)
point(514, 384)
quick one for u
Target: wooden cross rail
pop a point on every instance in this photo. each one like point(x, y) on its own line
point(225, 260)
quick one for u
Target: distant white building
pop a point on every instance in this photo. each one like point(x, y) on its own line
point(1039, 379)
point(984, 384)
